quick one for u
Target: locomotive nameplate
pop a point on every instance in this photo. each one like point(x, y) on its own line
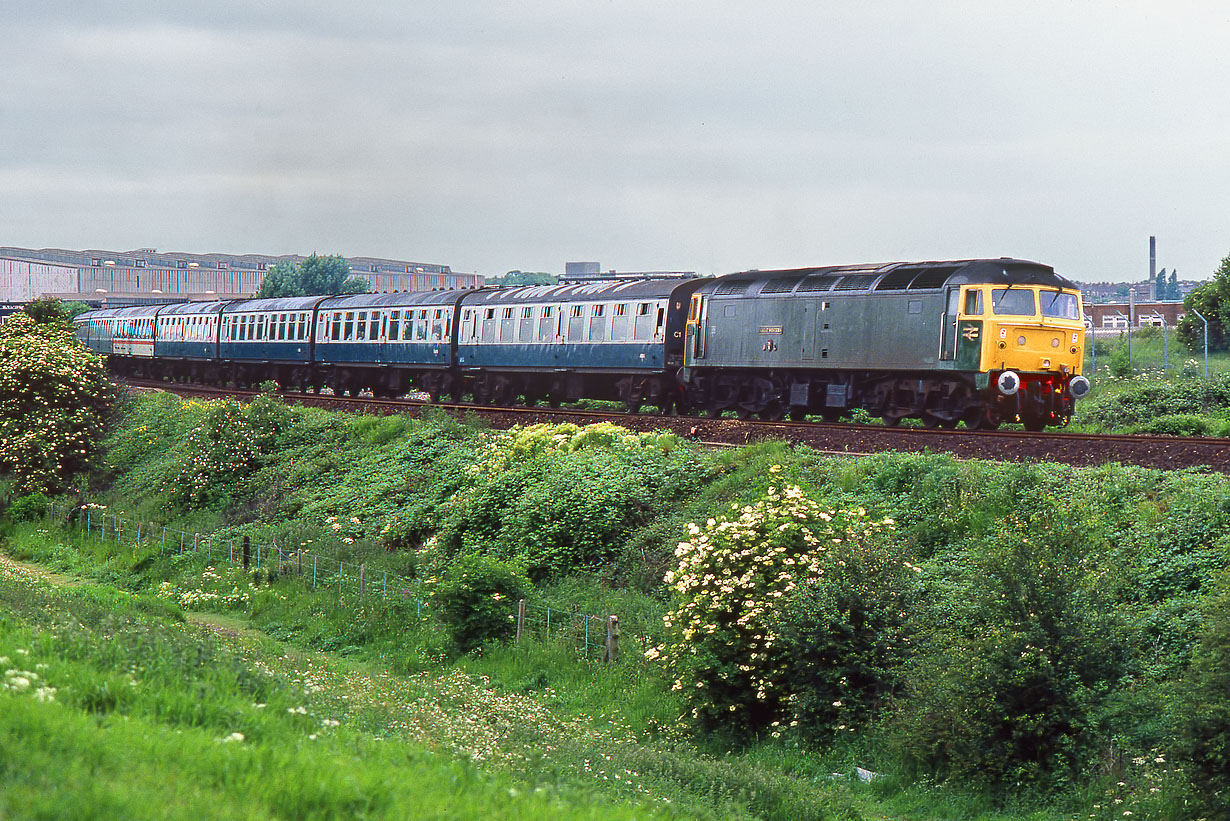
point(770, 329)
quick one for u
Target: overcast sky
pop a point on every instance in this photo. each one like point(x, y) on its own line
point(708, 136)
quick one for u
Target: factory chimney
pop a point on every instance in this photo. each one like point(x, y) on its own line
point(1153, 267)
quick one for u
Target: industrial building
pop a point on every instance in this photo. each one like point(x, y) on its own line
point(146, 276)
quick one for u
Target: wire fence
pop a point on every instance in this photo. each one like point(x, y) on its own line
point(592, 636)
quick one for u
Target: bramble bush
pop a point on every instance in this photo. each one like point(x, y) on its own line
point(734, 581)
point(478, 596)
point(54, 397)
point(560, 499)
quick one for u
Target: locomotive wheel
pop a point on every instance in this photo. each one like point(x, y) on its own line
point(979, 419)
point(1033, 423)
point(891, 421)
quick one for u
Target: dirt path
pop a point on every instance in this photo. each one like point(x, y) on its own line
point(218, 622)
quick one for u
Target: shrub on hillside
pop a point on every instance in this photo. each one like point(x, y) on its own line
point(54, 395)
point(1144, 403)
point(561, 499)
point(734, 580)
point(478, 596)
point(1205, 712)
point(225, 447)
point(846, 634)
point(1017, 650)
point(29, 508)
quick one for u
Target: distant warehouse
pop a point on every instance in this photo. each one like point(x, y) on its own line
point(145, 276)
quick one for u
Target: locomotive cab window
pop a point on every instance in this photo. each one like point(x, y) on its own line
point(973, 302)
point(1012, 302)
point(1059, 305)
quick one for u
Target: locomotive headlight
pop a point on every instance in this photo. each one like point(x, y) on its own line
point(1079, 387)
point(1020, 340)
point(1009, 382)
point(1055, 342)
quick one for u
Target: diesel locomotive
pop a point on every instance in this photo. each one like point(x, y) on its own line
point(976, 341)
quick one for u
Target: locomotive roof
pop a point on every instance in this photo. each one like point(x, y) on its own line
point(894, 276)
point(582, 292)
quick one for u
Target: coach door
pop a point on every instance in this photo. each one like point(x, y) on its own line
point(948, 323)
point(695, 332)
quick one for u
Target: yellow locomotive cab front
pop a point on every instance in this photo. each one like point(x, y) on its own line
point(1033, 342)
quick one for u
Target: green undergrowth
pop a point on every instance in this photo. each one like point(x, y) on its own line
point(110, 710)
point(1009, 640)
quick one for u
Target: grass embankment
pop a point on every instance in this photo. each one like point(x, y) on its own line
point(1023, 636)
point(116, 706)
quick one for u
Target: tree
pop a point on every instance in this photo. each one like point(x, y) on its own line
point(1213, 302)
point(1159, 285)
point(54, 395)
point(52, 310)
point(523, 278)
point(1172, 290)
point(318, 275)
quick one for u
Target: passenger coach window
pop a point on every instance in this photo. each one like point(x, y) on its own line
point(973, 303)
point(373, 326)
point(348, 330)
point(1059, 305)
point(546, 324)
point(394, 325)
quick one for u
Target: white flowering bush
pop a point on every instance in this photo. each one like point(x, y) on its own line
point(54, 395)
point(734, 580)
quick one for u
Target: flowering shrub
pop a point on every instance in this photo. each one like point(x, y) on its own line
point(734, 579)
point(53, 398)
point(225, 447)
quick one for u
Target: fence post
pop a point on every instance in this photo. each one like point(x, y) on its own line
point(362, 579)
point(586, 620)
point(138, 543)
point(520, 618)
point(196, 542)
point(299, 556)
point(547, 636)
point(247, 552)
point(612, 638)
point(313, 571)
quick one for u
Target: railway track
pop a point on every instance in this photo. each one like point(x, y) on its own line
point(1080, 449)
